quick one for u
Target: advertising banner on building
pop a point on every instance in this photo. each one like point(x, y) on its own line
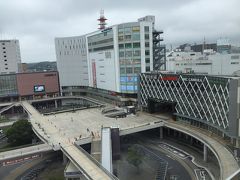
point(94, 73)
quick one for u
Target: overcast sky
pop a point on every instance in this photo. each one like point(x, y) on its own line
point(37, 22)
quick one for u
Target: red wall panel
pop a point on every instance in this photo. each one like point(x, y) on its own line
point(27, 81)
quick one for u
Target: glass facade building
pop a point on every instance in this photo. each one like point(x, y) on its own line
point(8, 85)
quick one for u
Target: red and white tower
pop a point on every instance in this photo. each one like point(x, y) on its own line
point(102, 20)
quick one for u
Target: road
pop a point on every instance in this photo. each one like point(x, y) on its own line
point(174, 167)
point(180, 162)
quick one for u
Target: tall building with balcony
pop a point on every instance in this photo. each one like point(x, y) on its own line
point(10, 58)
point(110, 60)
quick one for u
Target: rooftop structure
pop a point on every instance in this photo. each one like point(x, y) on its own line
point(102, 20)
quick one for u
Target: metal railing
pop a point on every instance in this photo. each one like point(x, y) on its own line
point(96, 162)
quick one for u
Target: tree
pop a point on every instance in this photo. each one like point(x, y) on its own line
point(134, 157)
point(20, 133)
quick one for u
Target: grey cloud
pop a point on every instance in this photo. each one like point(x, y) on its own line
point(36, 23)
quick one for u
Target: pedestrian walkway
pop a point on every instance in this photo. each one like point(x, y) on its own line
point(24, 151)
point(50, 134)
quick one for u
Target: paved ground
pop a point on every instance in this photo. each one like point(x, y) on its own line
point(49, 133)
point(83, 123)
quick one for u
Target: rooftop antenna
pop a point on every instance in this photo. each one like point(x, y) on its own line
point(102, 20)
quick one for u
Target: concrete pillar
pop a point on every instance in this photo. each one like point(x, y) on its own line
point(56, 105)
point(174, 133)
point(205, 149)
point(223, 135)
point(168, 131)
point(237, 143)
point(179, 135)
point(65, 159)
point(191, 140)
point(12, 110)
point(161, 132)
point(232, 141)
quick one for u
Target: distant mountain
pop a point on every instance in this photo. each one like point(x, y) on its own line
point(42, 66)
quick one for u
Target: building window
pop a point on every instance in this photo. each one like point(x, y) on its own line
point(5, 60)
point(147, 68)
point(5, 56)
point(235, 57)
point(136, 53)
point(137, 61)
point(6, 68)
point(136, 29)
point(136, 37)
point(137, 70)
point(128, 45)
point(127, 37)
point(127, 30)
point(136, 45)
point(122, 70)
point(6, 64)
point(129, 70)
point(120, 38)
point(147, 60)
point(121, 46)
point(3, 44)
point(4, 51)
point(147, 52)
point(146, 44)
point(128, 53)
point(4, 48)
point(146, 36)
point(121, 54)
point(146, 28)
point(120, 29)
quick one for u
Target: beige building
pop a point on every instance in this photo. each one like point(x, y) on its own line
point(10, 58)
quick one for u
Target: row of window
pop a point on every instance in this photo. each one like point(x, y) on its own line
point(133, 61)
point(129, 45)
point(129, 61)
point(128, 88)
point(129, 53)
point(104, 41)
point(129, 29)
point(126, 79)
point(73, 41)
point(71, 52)
point(130, 70)
point(133, 37)
point(132, 29)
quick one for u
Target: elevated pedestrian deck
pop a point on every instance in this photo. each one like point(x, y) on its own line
point(48, 132)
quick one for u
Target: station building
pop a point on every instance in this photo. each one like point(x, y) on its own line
point(210, 102)
point(107, 62)
point(27, 86)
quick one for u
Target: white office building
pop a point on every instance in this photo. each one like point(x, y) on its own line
point(10, 58)
point(108, 60)
point(208, 63)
